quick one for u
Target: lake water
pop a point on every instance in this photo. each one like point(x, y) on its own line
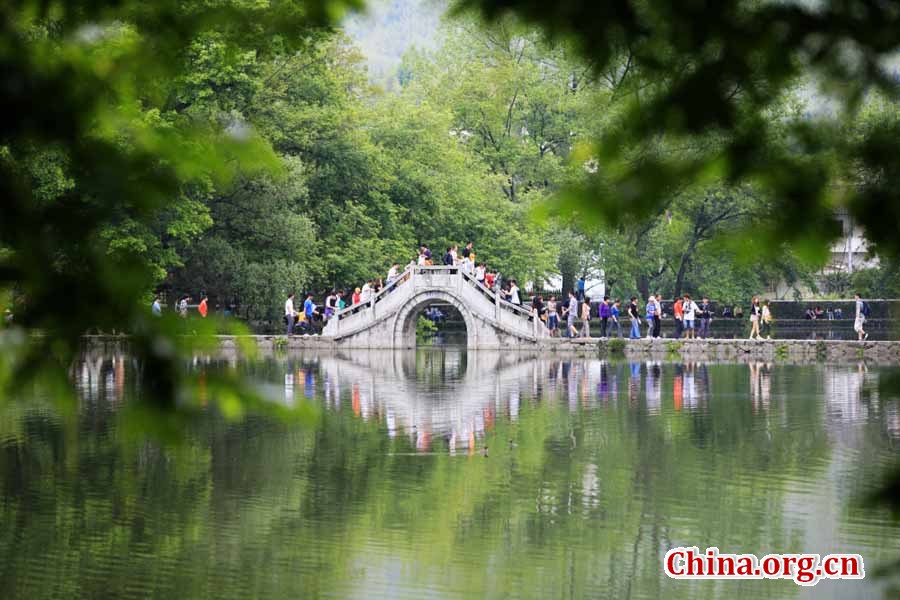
point(444, 474)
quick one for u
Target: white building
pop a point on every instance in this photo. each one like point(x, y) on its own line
point(851, 252)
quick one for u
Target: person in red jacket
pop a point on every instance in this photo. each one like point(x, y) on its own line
point(679, 317)
point(203, 308)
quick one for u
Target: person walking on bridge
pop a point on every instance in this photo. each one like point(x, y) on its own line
point(393, 272)
point(480, 273)
point(514, 293)
point(366, 295)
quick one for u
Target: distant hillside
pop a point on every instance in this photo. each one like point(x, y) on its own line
point(391, 27)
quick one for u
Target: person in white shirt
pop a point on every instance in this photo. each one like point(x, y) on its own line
point(468, 265)
point(289, 314)
point(571, 311)
point(862, 310)
point(479, 273)
point(421, 260)
point(392, 273)
point(453, 254)
point(514, 293)
point(689, 310)
point(366, 295)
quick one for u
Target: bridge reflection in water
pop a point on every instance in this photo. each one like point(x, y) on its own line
point(448, 399)
point(456, 395)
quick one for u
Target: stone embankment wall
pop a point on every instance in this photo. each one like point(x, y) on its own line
point(663, 348)
point(659, 349)
point(765, 350)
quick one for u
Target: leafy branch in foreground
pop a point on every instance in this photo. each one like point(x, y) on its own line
point(720, 69)
point(84, 151)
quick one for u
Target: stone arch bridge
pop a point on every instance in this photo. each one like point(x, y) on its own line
point(388, 320)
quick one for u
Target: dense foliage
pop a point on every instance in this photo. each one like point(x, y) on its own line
point(328, 180)
point(245, 154)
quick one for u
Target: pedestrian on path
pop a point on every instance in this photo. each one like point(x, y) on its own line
point(604, 313)
point(678, 313)
point(650, 314)
point(289, 314)
point(614, 319)
point(586, 318)
point(689, 310)
point(862, 313)
point(657, 318)
point(705, 315)
point(552, 316)
point(755, 315)
point(634, 313)
point(571, 312)
point(766, 320)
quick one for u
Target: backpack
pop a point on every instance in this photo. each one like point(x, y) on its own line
point(865, 309)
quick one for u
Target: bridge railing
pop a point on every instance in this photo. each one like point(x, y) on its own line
point(492, 296)
point(355, 308)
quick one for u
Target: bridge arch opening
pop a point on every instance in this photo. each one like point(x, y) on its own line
point(440, 324)
point(435, 304)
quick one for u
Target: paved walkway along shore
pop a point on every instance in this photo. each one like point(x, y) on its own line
point(887, 352)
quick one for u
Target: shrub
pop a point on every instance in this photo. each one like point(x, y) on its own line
point(425, 329)
point(616, 346)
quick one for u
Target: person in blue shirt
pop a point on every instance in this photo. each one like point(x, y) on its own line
point(651, 315)
point(580, 288)
point(156, 308)
point(614, 315)
point(309, 309)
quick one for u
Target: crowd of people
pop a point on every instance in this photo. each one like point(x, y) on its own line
point(691, 319)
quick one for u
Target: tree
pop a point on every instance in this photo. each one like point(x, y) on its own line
point(92, 88)
point(259, 249)
point(724, 79)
